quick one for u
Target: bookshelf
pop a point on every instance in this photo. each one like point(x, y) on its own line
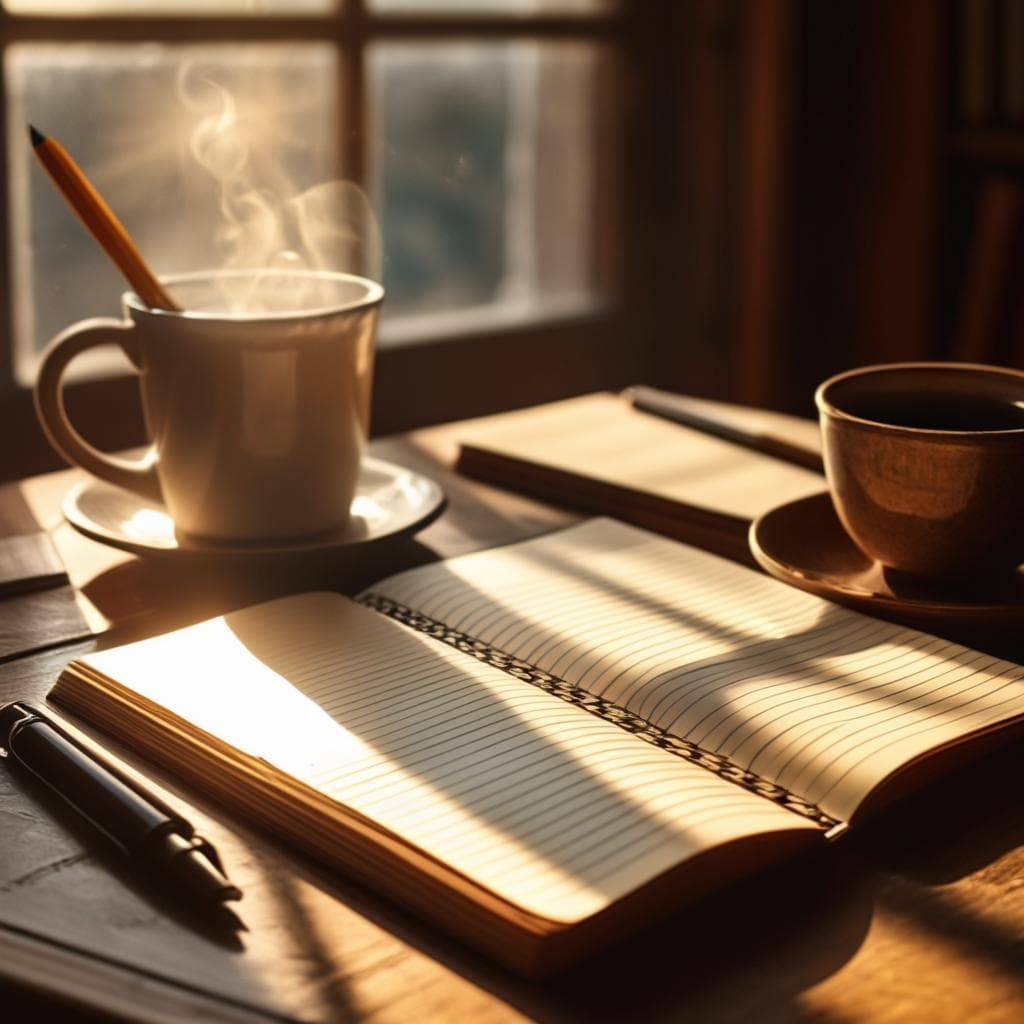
point(990, 146)
point(980, 295)
point(891, 122)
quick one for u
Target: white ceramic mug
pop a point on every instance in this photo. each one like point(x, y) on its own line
point(258, 421)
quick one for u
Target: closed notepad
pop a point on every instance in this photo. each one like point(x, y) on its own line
point(599, 455)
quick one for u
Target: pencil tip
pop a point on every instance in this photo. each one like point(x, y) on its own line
point(35, 135)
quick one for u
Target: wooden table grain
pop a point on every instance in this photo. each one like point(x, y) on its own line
point(918, 917)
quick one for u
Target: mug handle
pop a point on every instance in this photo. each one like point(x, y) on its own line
point(138, 475)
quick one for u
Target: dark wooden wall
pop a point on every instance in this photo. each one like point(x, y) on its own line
point(810, 219)
point(789, 166)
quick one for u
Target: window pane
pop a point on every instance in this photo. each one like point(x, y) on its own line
point(83, 8)
point(201, 151)
point(485, 167)
point(491, 6)
point(486, 164)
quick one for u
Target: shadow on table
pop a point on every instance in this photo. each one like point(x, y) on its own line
point(218, 925)
point(742, 953)
point(947, 856)
point(752, 950)
point(965, 819)
point(143, 595)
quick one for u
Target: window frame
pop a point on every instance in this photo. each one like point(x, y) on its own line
point(443, 378)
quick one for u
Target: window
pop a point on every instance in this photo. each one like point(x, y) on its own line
point(465, 151)
point(203, 151)
point(485, 191)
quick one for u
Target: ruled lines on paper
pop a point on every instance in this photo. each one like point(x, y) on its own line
point(555, 811)
point(821, 700)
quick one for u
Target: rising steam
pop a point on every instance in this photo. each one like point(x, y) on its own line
point(265, 222)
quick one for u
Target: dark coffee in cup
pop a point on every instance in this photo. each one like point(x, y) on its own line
point(925, 463)
point(943, 412)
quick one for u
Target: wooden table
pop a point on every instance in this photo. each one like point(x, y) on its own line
point(918, 917)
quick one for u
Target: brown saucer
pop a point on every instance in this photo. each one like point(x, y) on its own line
point(803, 543)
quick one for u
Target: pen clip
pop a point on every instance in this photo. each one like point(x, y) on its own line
point(13, 717)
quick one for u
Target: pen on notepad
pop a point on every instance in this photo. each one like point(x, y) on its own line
point(138, 823)
point(99, 219)
point(674, 407)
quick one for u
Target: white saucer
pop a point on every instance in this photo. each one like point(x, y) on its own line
point(390, 501)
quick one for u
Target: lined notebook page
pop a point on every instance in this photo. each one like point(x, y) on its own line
point(821, 700)
point(556, 811)
point(602, 437)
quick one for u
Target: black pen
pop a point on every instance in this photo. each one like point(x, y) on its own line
point(138, 823)
point(679, 410)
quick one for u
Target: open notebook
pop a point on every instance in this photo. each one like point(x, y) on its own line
point(600, 455)
point(541, 745)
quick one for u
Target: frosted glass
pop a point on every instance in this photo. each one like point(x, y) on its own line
point(483, 175)
point(83, 8)
point(483, 167)
point(195, 148)
point(524, 7)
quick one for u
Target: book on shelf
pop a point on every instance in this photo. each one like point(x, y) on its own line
point(542, 746)
point(988, 61)
point(975, 43)
point(1013, 63)
point(600, 455)
point(984, 331)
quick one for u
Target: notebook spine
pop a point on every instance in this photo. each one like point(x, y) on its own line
point(714, 762)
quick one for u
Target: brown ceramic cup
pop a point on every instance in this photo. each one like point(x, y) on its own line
point(925, 463)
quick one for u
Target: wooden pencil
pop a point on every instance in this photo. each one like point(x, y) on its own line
point(99, 219)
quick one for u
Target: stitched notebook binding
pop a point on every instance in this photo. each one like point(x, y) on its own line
point(610, 712)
